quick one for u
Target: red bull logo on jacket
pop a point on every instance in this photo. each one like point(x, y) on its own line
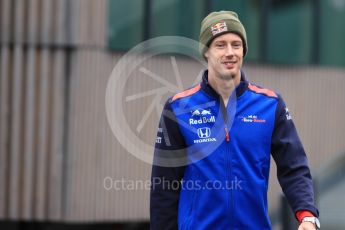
point(202, 117)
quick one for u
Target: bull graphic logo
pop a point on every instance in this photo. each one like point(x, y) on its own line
point(195, 113)
point(218, 28)
point(205, 112)
point(204, 132)
point(200, 112)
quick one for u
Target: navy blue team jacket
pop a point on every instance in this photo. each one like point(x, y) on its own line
point(226, 150)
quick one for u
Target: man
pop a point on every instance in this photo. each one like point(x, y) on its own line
point(225, 129)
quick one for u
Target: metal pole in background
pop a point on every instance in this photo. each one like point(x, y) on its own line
point(315, 58)
point(147, 19)
point(265, 11)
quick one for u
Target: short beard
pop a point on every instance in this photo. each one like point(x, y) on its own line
point(227, 77)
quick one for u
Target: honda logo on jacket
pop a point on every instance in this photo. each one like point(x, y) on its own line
point(204, 132)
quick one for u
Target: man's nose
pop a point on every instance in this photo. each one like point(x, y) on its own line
point(229, 50)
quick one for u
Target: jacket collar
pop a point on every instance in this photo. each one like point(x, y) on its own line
point(240, 89)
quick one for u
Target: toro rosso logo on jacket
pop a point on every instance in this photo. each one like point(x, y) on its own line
point(287, 114)
point(252, 119)
point(201, 116)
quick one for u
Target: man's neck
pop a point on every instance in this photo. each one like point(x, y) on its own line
point(224, 86)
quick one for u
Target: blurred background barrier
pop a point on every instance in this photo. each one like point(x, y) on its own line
point(56, 146)
point(329, 183)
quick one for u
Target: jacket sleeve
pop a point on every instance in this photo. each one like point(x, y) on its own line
point(292, 163)
point(166, 178)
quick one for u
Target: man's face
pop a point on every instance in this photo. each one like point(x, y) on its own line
point(225, 57)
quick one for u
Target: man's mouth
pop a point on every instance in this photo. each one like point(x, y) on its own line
point(229, 64)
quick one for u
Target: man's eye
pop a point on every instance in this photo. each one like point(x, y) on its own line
point(219, 45)
point(237, 46)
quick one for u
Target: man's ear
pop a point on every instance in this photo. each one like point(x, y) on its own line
point(206, 54)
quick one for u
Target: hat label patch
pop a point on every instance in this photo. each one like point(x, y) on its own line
point(218, 28)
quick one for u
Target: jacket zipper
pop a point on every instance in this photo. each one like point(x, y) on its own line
point(227, 138)
point(225, 116)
